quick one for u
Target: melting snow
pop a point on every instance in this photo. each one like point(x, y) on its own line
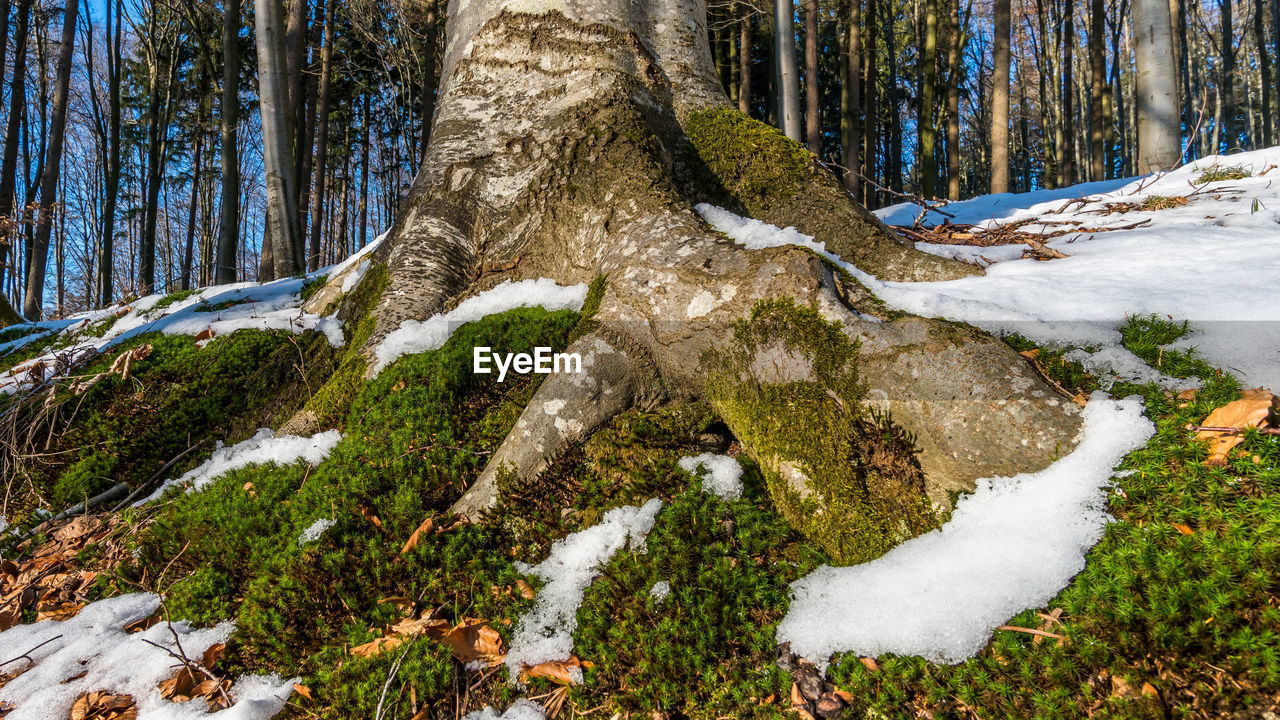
point(660, 591)
point(415, 336)
point(1212, 261)
point(264, 447)
point(1013, 544)
point(94, 649)
point(545, 633)
point(520, 710)
point(315, 530)
point(722, 476)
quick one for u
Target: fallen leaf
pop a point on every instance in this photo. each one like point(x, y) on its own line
point(212, 655)
point(412, 542)
point(844, 695)
point(1149, 690)
point(205, 334)
point(367, 513)
point(1031, 354)
point(797, 700)
point(526, 590)
point(564, 672)
point(473, 640)
point(102, 705)
point(1250, 410)
point(870, 664)
point(1184, 529)
point(302, 690)
point(58, 611)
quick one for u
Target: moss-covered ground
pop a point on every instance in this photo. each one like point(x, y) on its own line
point(1175, 615)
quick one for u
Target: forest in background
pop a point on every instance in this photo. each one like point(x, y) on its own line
point(133, 153)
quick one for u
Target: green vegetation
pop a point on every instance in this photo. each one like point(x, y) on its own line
point(1146, 336)
point(310, 287)
point(331, 402)
point(1069, 375)
point(174, 297)
point(805, 424)
point(755, 162)
point(1219, 173)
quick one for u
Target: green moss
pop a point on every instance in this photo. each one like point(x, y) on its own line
point(752, 163)
point(806, 428)
point(1219, 173)
point(310, 287)
point(176, 296)
point(331, 402)
point(1068, 374)
point(1147, 335)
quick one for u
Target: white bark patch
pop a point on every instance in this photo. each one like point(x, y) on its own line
point(553, 407)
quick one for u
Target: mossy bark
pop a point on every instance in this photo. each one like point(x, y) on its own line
point(571, 142)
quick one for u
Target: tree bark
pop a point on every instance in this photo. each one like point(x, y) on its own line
point(928, 113)
point(277, 142)
point(1226, 81)
point(34, 300)
point(871, 109)
point(1000, 100)
point(536, 182)
point(229, 226)
point(1159, 135)
point(322, 139)
point(812, 82)
point(111, 191)
point(1264, 69)
point(13, 130)
point(784, 50)
point(853, 107)
point(1097, 88)
point(954, 41)
point(1068, 153)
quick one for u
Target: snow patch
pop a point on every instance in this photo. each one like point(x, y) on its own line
point(1011, 545)
point(264, 447)
point(1116, 364)
point(545, 633)
point(93, 648)
point(415, 336)
point(660, 591)
point(315, 530)
point(521, 709)
point(722, 476)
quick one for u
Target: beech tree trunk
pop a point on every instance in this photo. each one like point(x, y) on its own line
point(812, 84)
point(853, 108)
point(9, 232)
point(277, 142)
point(928, 165)
point(1000, 100)
point(33, 302)
point(322, 140)
point(599, 185)
point(229, 228)
point(784, 53)
point(1227, 79)
point(1097, 88)
point(1156, 94)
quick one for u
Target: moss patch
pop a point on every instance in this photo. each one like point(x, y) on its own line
point(788, 388)
point(331, 402)
point(750, 162)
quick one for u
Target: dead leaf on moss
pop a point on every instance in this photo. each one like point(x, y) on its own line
point(526, 590)
point(102, 705)
point(1184, 529)
point(58, 611)
point(473, 640)
point(205, 334)
point(1251, 410)
point(413, 540)
point(564, 672)
point(302, 690)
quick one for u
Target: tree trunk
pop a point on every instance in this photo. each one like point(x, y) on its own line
point(197, 167)
point(1000, 100)
point(229, 227)
point(364, 176)
point(1097, 88)
point(322, 140)
point(928, 113)
point(1275, 28)
point(871, 108)
point(608, 177)
point(784, 50)
point(1226, 81)
point(428, 73)
point(812, 83)
point(34, 300)
point(277, 142)
point(1068, 94)
point(954, 40)
point(111, 191)
point(744, 58)
point(9, 229)
point(853, 107)
point(1264, 69)
point(1159, 137)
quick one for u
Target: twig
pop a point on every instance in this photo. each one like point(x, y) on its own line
point(27, 654)
point(163, 469)
point(1030, 631)
point(391, 676)
point(1233, 430)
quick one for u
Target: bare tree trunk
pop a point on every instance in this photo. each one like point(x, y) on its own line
point(1264, 69)
point(229, 226)
point(1068, 94)
point(1159, 136)
point(428, 74)
point(277, 142)
point(1000, 100)
point(364, 177)
point(322, 139)
point(34, 300)
point(13, 129)
point(197, 167)
point(1226, 81)
point(853, 107)
point(870, 106)
point(106, 252)
point(744, 59)
point(784, 42)
point(954, 40)
point(928, 113)
point(1275, 28)
point(1097, 88)
point(812, 83)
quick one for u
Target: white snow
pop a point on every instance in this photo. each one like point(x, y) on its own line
point(1115, 363)
point(315, 530)
point(415, 336)
point(94, 644)
point(1213, 262)
point(721, 475)
point(521, 709)
point(660, 591)
point(545, 633)
point(1011, 545)
point(264, 447)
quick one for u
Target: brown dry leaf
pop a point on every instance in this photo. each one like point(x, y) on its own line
point(302, 690)
point(1149, 690)
point(373, 647)
point(78, 528)
point(212, 655)
point(181, 687)
point(473, 640)
point(367, 513)
point(1031, 354)
point(797, 700)
point(102, 705)
point(561, 671)
point(1250, 410)
point(844, 695)
point(248, 487)
point(1184, 529)
point(404, 604)
point(412, 542)
point(205, 334)
point(870, 664)
point(58, 611)
point(145, 623)
point(526, 590)
point(409, 627)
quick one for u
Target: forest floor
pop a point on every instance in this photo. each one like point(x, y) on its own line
point(650, 576)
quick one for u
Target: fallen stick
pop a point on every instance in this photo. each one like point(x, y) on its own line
point(1233, 430)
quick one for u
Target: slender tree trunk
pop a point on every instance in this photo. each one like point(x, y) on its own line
point(286, 250)
point(954, 40)
point(1226, 82)
point(106, 256)
point(1157, 93)
point(1068, 94)
point(197, 168)
point(322, 139)
point(1275, 29)
point(928, 113)
point(1000, 100)
point(853, 106)
point(812, 83)
point(1097, 88)
point(364, 176)
point(784, 43)
point(9, 232)
point(744, 60)
point(870, 108)
point(229, 227)
point(1264, 68)
point(295, 48)
point(34, 301)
